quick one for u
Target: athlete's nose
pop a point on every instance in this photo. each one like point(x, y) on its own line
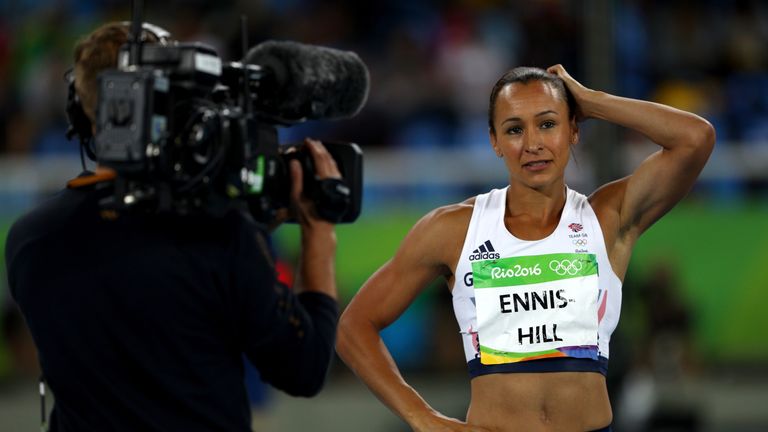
point(531, 143)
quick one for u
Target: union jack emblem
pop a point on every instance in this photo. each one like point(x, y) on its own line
point(475, 339)
point(575, 227)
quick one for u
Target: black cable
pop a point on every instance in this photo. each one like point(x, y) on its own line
point(82, 155)
point(210, 170)
point(43, 419)
point(214, 165)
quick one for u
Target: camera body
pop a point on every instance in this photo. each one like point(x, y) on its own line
point(186, 133)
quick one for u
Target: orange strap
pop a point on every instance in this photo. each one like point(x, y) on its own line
point(101, 175)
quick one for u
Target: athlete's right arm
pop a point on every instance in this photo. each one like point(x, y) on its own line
point(428, 251)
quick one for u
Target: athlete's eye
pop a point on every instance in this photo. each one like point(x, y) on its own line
point(514, 130)
point(548, 124)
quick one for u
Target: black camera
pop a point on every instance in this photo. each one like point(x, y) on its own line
point(186, 132)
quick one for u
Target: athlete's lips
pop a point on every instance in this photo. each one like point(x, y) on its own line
point(537, 165)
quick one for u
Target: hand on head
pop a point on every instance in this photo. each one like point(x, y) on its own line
point(578, 91)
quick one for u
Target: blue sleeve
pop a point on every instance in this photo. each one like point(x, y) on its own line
point(289, 338)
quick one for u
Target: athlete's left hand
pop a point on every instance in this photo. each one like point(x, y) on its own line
point(580, 93)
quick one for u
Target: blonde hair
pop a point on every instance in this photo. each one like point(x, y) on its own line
point(95, 53)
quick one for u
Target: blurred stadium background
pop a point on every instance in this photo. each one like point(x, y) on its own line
point(691, 351)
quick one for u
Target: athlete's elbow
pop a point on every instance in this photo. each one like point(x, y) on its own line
point(345, 333)
point(352, 332)
point(696, 142)
point(704, 137)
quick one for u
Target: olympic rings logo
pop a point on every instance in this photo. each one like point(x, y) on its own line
point(580, 242)
point(570, 267)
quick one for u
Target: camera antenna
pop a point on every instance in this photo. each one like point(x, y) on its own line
point(244, 46)
point(245, 95)
point(134, 40)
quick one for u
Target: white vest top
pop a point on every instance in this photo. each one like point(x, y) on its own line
point(545, 305)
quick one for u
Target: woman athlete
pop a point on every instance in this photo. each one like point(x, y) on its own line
point(535, 269)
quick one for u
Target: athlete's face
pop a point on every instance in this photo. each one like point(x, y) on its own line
point(533, 133)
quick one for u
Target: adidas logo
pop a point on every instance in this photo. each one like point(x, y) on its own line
point(484, 251)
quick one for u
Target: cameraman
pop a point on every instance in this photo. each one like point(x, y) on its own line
point(141, 320)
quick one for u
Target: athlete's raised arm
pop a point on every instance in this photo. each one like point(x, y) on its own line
point(663, 178)
point(428, 251)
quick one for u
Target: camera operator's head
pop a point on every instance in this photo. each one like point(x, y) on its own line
point(96, 52)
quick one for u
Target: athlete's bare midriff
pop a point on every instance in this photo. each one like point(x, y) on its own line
point(540, 402)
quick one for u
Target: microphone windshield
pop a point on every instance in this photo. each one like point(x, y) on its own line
point(307, 81)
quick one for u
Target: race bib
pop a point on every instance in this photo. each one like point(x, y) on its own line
point(538, 306)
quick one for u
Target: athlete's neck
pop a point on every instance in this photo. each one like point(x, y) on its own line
point(542, 204)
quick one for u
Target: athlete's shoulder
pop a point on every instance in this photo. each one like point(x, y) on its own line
point(449, 217)
point(610, 194)
point(438, 236)
point(444, 224)
point(607, 199)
